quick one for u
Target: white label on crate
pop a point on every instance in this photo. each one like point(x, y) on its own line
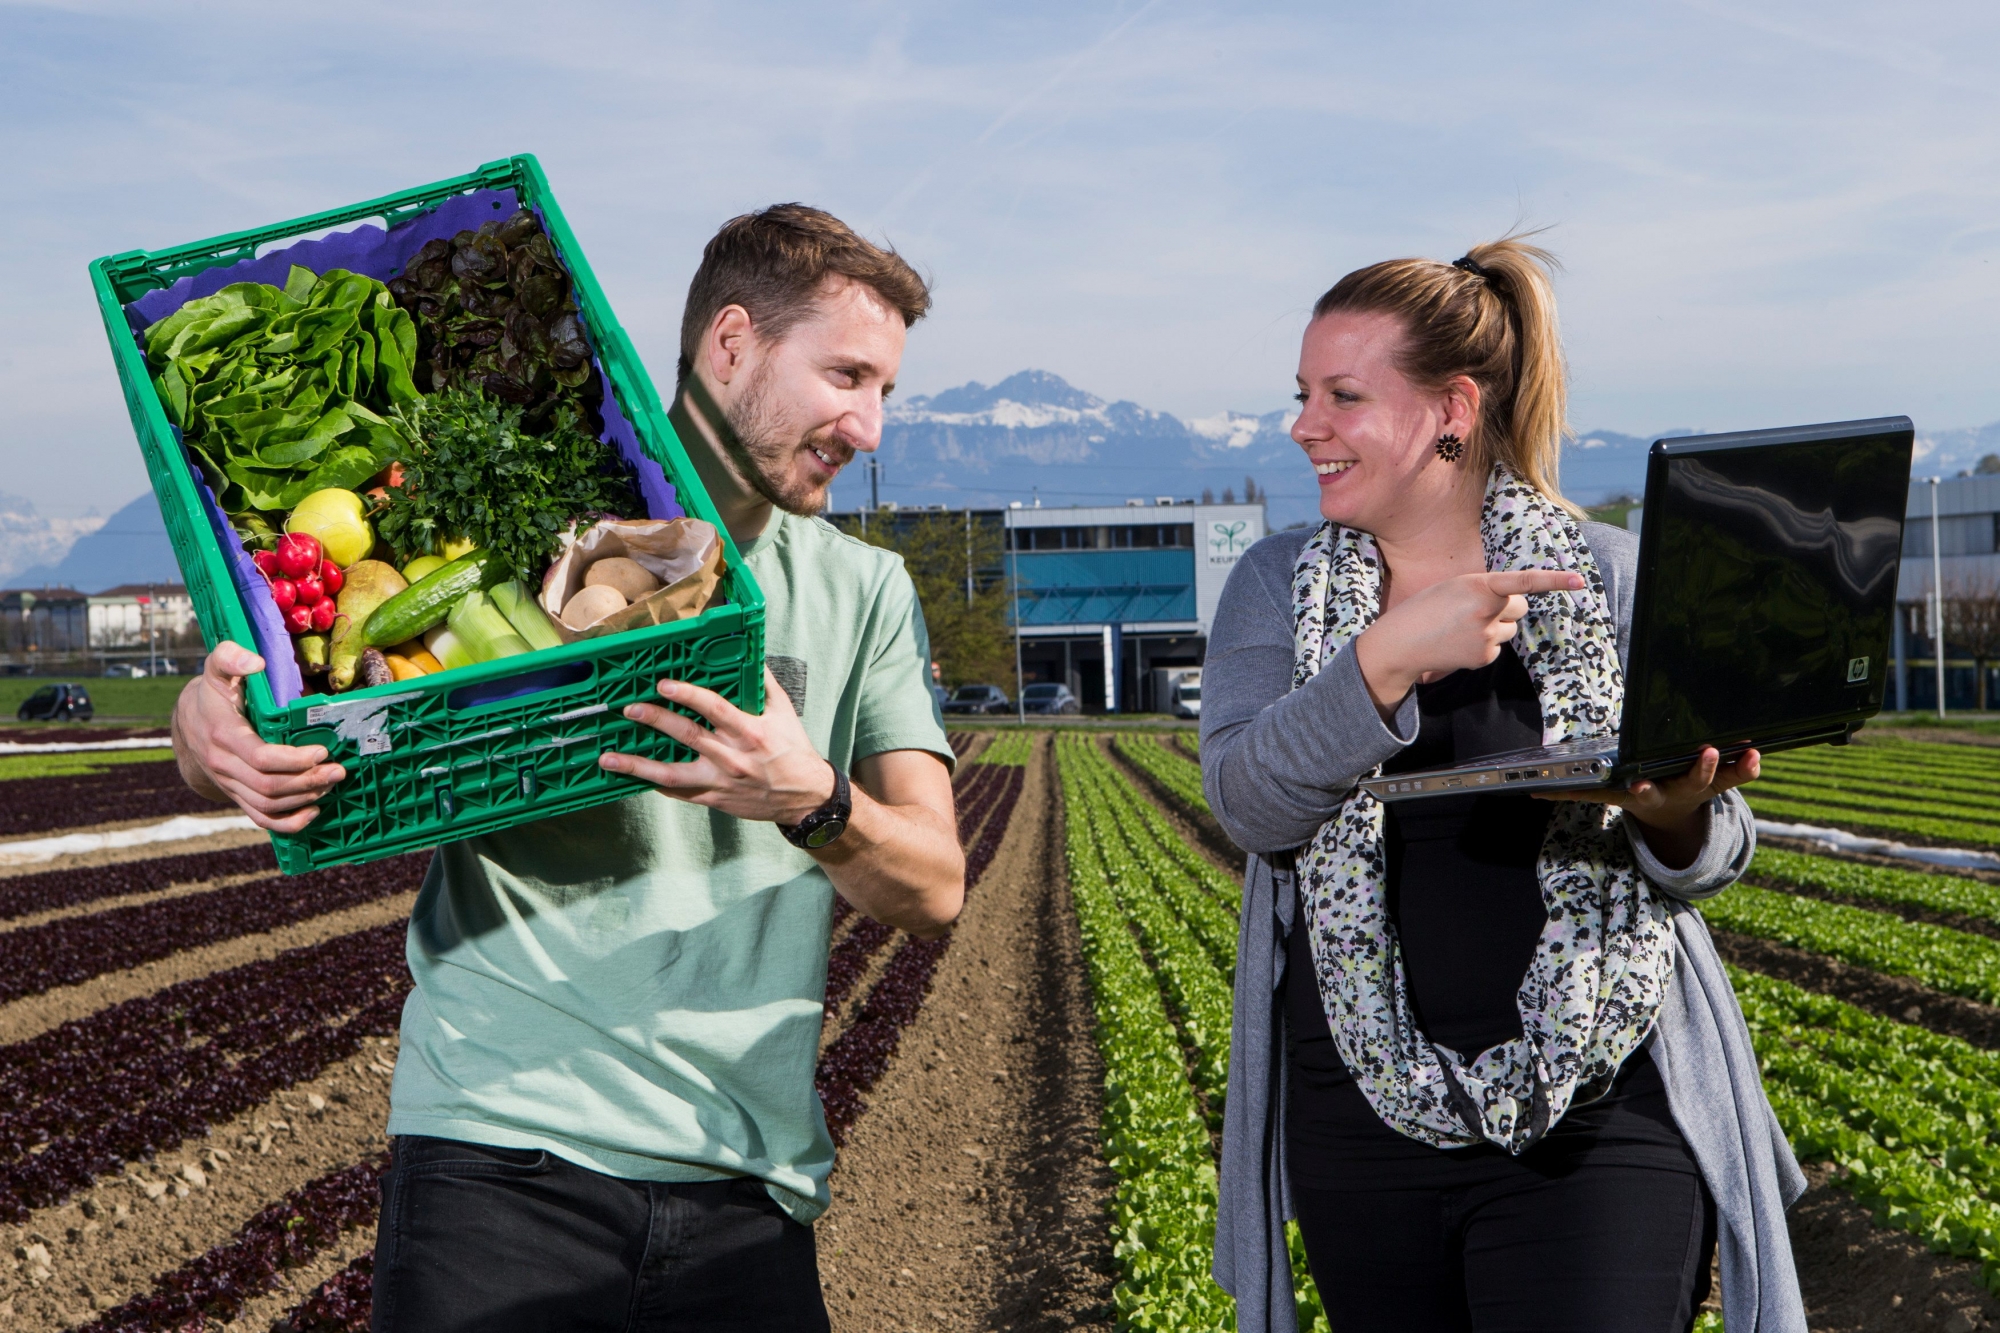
point(363, 721)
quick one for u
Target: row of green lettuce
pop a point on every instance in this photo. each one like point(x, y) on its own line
point(1180, 776)
point(1912, 1116)
point(1909, 1114)
point(1949, 793)
point(1953, 961)
point(1010, 749)
point(1159, 943)
point(1957, 962)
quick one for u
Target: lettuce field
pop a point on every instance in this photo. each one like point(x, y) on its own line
point(195, 1053)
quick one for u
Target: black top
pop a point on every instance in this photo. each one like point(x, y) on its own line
point(1468, 911)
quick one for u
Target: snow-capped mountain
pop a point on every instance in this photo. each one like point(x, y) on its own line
point(30, 540)
point(1034, 436)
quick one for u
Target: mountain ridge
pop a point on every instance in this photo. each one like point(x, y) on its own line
point(1032, 437)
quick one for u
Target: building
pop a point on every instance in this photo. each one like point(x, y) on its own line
point(1108, 593)
point(1968, 559)
point(1105, 594)
point(140, 616)
point(43, 620)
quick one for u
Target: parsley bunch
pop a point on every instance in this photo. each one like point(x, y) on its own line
point(474, 473)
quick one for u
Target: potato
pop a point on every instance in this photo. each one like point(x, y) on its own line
point(628, 576)
point(591, 605)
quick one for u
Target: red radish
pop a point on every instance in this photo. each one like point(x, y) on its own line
point(285, 593)
point(299, 620)
point(309, 589)
point(299, 554)
point(323, 613)
point(266, 562)
point(330, 577)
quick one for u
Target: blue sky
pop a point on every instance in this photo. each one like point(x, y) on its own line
point(1768, 213)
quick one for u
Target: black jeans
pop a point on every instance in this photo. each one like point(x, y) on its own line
point(1604, 1249)
point(503, 1240)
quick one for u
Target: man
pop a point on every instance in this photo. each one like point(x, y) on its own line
point(603, 1111)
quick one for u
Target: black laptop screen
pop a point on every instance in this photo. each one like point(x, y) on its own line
point(1767, 585)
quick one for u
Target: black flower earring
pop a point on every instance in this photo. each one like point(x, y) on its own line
point(1450, 448)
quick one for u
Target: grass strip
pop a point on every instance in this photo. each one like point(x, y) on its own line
point(1945, 960)
point(75, 763)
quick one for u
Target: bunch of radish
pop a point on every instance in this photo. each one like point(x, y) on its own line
point(303, 582)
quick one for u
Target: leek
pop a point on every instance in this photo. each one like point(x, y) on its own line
point(482, 629)
point(525, 614)
point(446, 648)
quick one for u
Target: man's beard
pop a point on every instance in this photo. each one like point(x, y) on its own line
point(756, 444)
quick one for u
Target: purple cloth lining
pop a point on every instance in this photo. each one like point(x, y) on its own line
point(381, 255)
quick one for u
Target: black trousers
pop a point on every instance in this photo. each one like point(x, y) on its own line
point(1604, 1249)
point(499, 1239)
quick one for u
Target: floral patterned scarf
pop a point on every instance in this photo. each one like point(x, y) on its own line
point(1604, 960)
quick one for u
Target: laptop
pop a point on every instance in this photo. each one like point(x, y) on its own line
point(1762, 613)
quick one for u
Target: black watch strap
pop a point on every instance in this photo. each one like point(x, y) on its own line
point(825, 825)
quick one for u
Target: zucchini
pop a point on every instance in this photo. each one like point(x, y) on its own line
point(429, 600)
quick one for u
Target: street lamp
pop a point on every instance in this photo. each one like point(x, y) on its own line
point(1937, 600)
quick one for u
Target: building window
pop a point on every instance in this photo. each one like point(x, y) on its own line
point(1125, 536)
point(1958, 534)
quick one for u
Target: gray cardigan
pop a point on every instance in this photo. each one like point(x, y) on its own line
point(1276, 764)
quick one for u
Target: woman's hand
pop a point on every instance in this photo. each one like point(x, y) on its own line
point(1452, 625)
point(1670, 812)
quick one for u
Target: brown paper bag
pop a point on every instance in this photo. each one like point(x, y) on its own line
point(684, 554)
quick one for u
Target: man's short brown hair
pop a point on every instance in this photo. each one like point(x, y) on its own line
point(773, 264)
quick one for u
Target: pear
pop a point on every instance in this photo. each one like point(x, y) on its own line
point(335, 517)
point(369, 584)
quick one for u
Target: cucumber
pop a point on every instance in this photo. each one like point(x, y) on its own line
point(429, 600)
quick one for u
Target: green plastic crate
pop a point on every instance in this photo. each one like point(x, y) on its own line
point(467, 751)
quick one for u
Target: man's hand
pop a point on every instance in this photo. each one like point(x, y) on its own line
point(223, 758)
point(1452, 625)
point(1670, 812)
point(899, 860)
point(749, 766)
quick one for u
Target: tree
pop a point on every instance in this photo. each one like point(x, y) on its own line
point(1972, 620)
point(1988, 465)
point(971, 638)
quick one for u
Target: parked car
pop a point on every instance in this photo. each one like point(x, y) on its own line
point(56, 703)
point(1049, 698)
point(124, 671)
point(979, 699)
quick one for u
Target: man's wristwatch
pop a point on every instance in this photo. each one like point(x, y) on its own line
point(824, 825)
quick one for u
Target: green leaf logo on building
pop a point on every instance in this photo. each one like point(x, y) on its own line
point(1228, 538)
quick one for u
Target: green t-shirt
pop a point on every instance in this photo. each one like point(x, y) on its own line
point(638, 987)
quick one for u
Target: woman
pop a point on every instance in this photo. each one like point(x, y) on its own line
point(1483, 1050)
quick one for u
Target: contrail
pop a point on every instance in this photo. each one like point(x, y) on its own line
point(922, 178)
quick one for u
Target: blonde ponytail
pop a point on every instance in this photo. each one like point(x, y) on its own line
point(1491, 317)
